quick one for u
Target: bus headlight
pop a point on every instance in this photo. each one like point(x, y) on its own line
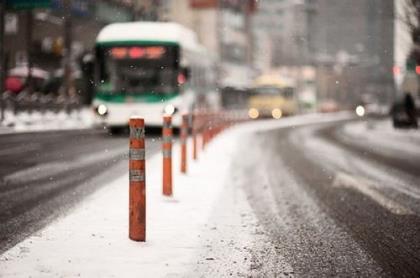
point(169, 109)
point(253, 113)
point(102, 110)
point(276, 113)
point(360, 111)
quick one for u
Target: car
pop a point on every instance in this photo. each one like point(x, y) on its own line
point(401, 117)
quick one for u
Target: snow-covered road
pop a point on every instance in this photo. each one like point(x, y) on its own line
point(339, 199)
point(312, 196)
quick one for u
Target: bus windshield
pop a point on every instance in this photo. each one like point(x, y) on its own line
point(286, 92)
point(268, 91)
point(138, 69)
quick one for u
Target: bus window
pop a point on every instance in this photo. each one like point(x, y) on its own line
point(288, 93)
point(268, 91)
point(139, 69)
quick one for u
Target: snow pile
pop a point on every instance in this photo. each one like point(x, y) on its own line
point(48, 120)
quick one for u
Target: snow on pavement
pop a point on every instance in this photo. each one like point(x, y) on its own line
point(92, 241)
point(334, 158)
point(382, 134)
point(207, 229)
point(295, 121)
point(48, 120)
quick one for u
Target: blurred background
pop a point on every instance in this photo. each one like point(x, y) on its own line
point(338, 53)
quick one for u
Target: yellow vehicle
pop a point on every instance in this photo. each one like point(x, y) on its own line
point(272, 97)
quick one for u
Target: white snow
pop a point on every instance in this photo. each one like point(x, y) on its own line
point(383, 135)
point(335, 158)
point(49, 120)
point(93, 241)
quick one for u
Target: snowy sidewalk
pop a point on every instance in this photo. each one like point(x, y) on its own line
point(207, 229)
point(92, 241)
point(48, 120)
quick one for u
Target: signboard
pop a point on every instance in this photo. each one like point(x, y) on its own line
point(236, 5)
point(108, 13)
point(82, 8)
point(27, 4)
point(137, 52)
point(11, 24)
point(203, 4)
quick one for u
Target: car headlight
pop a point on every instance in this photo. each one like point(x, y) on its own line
point(360, 111)
point(253, 113)
point(169, 110)
point(276, 113)
point(102, 110)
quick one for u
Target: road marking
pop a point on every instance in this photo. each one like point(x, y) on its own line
point(368, 188)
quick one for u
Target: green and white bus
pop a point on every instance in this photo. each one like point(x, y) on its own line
point(150, 69)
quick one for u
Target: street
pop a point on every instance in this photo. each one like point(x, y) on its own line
point(308, 196)
point(334, 204)
point(209, 138)
point(42, 175)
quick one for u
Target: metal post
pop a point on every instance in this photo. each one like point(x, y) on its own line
point(194, 134)
point(184, 138)
point(137, 172)
point(167, 155)
point(2, 60)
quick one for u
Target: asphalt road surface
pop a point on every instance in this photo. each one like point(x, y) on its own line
point(43, 175)
point(335, 204)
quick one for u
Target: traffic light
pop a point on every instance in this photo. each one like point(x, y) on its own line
point(396, 70)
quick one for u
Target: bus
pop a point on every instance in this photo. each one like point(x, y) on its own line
point(272, 97)
point(150, 69)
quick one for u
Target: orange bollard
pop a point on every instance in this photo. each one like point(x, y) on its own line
point(204, 139)
point(167, 155)
point(206, 131)
point(194, 135)
point(184, 137)
point(137, 191)
point(207, 136)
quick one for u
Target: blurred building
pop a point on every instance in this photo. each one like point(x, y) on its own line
point(263, 52)
point(286, 22)
point(224, 28)
point(354, 42)
point(350, 43)
point(402, 47)
point(47, 28)
point(200, 16)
